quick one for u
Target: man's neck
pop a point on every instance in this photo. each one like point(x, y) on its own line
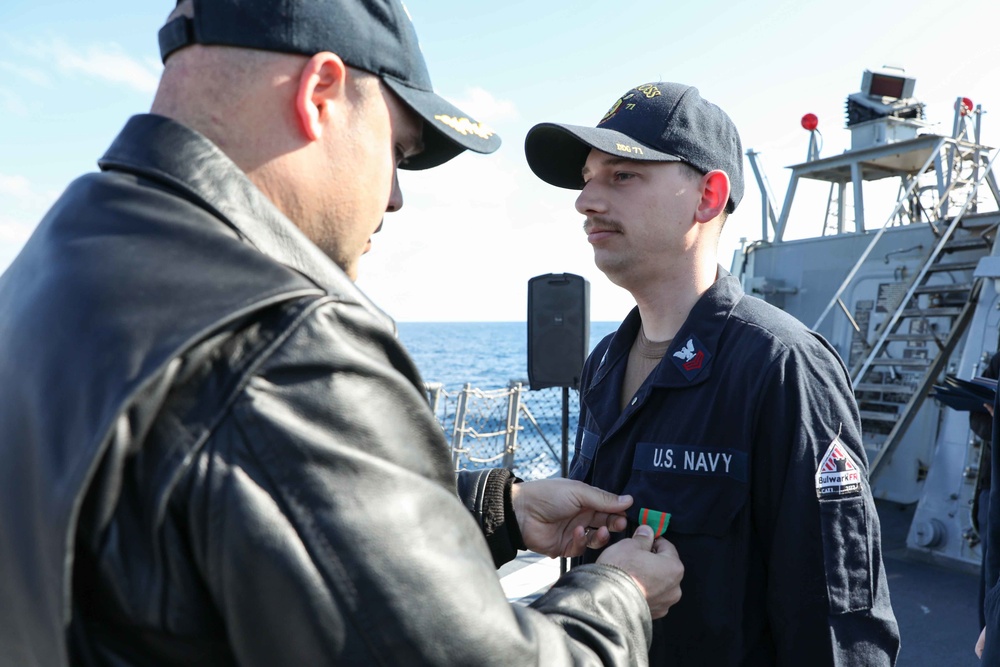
point(664, 306)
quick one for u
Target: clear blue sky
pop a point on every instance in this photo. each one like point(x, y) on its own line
point(472, 233)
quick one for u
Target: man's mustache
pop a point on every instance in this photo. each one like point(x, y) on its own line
point(599, 223)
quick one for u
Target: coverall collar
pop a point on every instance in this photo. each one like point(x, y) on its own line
point(700, 333)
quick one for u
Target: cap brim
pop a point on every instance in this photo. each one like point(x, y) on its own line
point(447, 129)
point(557, 153)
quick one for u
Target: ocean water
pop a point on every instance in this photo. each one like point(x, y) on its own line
point(485, 354)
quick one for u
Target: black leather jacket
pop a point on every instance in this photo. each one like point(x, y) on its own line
point(215, 451)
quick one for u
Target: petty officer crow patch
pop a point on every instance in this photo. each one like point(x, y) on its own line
point(838, 474)
point(691, 358)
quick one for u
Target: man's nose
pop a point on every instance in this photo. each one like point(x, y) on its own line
point(590, 200)
point(395, 195)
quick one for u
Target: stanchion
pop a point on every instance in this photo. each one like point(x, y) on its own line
point(565, 453)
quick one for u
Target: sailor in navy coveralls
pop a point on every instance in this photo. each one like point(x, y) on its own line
point(717, 407)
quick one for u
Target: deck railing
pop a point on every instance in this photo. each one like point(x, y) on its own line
point(512, 427)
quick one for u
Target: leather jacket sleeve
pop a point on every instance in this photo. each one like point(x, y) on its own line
point(317, 512)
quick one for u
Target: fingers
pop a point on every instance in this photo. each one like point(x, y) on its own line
point(597, 538)
point(662, 546)
point(579, 540)
point(582, 539)
point(564, 517)
point(599, 500)
point(644, 538)
point(981, 644)
point(654, 566)
point(616, 523)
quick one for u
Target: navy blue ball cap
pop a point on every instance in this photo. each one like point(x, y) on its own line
point(372, 35)
point(654, 122)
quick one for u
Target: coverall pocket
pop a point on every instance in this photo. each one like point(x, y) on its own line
point(712, 513)
point(703, 488)
point(847, 554)
point(698, 506)
point(709, 527)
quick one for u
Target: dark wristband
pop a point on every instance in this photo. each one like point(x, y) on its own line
point(498, 519)
point(510, 519)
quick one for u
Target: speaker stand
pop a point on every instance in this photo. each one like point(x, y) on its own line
point(565, 453)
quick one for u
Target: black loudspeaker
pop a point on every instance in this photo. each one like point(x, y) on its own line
point(558, 329)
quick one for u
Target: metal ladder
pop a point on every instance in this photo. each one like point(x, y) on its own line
point(926, 312)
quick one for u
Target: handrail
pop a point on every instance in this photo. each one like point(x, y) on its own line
point(767, 198)
point(871, 246)
point(909, 413)
point(917, 280)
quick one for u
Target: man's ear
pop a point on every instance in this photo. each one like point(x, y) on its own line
point(322, 84)
point(714, 195)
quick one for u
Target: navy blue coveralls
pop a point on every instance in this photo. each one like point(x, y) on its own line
point(745, 420)
point(991, 601)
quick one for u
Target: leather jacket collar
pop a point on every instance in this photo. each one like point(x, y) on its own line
point(164, 150)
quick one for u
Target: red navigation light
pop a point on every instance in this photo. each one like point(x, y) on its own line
point(966, 106)
point(810, 121)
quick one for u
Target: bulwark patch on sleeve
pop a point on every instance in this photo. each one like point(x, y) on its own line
point(839, 474)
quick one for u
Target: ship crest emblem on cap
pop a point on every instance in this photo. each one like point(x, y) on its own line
point(464, 126)
point(615, 108)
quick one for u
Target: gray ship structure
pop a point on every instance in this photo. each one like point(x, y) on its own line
point(908, 293)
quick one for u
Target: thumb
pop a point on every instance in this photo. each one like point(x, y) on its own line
point(644, 537)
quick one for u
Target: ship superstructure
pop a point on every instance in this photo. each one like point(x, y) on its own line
point(907, 292)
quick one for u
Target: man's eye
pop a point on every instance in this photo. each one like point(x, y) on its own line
point(623, 176)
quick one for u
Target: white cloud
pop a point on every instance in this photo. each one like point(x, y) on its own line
point(12, 103)
point(19, 194)
point(102, 61)
point(13, 233)
point(108, 62)
point(24, 204)
point(31, 74)
point(462, 251)
point(483, 106)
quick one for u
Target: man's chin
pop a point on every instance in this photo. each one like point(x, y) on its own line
point(616, 272)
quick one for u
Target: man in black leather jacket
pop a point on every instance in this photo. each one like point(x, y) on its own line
point(214, 449)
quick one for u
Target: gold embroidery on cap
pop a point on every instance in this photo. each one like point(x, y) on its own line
point(629, 149)
point(465, 126)
point(612, 111)
point(649, 90)
point(615, 108)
